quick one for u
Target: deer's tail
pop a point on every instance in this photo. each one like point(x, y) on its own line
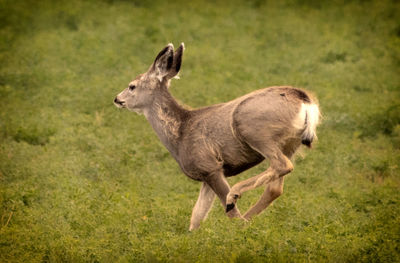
point(310, 114)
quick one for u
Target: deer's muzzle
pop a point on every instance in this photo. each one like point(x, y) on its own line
point(119, 103)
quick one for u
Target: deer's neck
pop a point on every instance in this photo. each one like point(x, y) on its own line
point(166, 117)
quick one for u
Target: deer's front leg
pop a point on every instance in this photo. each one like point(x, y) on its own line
point(202, 206)
point(221, 187)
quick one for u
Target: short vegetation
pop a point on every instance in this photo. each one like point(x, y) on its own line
point(82, 181)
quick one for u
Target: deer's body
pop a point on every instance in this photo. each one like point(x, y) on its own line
point(223, 140)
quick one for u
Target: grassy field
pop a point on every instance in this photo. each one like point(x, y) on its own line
point(81, 181)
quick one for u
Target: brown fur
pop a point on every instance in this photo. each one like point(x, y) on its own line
point(222, 140)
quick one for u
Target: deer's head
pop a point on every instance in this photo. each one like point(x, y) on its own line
point(141, 91)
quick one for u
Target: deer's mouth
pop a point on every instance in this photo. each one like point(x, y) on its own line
point(119, 103)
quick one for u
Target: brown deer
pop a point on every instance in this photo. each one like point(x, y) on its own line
point(223, 140)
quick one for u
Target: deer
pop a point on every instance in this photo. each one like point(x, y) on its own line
point(215, 142)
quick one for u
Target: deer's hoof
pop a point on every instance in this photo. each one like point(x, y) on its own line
point(232, 198)
point(245, 219)
point(229, 207)
point(193, 227)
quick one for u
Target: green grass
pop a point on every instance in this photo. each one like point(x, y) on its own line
point(81, 181)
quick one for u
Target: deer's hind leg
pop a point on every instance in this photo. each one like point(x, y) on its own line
point(280, 165)
point(272, 191)
point(275, 188)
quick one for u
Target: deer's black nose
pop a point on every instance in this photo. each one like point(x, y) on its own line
point(118, 101)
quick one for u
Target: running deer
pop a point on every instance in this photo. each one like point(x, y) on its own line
point(222, 140)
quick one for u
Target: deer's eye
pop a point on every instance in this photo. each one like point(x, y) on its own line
point(132, 87)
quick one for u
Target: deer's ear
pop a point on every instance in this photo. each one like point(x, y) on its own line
point(163, 63)
point(176, 65)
